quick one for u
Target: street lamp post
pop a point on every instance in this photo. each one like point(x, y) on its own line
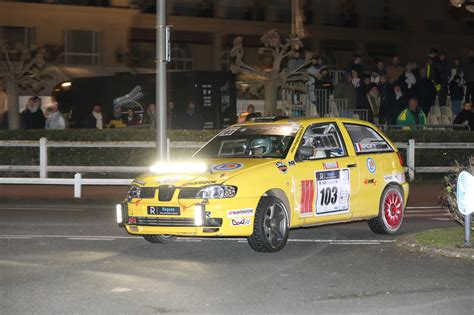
point(162, 57)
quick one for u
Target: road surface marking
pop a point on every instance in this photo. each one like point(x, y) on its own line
point(196, 239)
point(40, 209)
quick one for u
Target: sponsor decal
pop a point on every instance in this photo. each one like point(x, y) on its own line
point(168, 181)
point(204, 182)
point(238, 213)
point(137, 202)
point(333, 190)
point(372, 147)
point(371, 165)
point(227, 166)
point(282, 167)
point(297, 141)
point(295, 128)
point(240, 222)
point(307, 196)
point(330, 165)
point(292, 163)
point(370, 181)
point(208, 214)
point(228, 131)
point(139, 182)
point(397, 177)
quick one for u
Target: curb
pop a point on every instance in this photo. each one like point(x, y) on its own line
point(408, 242)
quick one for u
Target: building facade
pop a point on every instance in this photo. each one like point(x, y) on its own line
point(87, 38)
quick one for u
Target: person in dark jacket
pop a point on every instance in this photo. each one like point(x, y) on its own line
point(386, 94)
point(191, 119)
point(425, 92)
point(456, 91)
point(443, 69)
point(356, 65)
point(396, 104)
point(469, 76)
point(466, 116)
point(95, 120)
point(32, 117)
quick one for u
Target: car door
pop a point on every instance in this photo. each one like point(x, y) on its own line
point(325, 183)
point(373, 158)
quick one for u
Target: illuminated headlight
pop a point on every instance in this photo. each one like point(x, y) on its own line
point(199, 215)
point(118, 213)
point(217, 192)
point(133, 192)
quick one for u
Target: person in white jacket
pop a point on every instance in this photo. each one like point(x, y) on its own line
point(55, 120)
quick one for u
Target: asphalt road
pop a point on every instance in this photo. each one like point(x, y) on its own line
point(63, 258)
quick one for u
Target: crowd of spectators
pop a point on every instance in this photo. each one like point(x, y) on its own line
point(391, 93)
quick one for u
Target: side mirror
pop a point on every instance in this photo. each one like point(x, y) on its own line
point(305, 152)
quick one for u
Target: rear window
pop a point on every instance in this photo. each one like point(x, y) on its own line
point(367, 140)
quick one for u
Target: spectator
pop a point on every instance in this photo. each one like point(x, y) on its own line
point(395, 70)
point(432, 73)
point(313, 72)
point(356, 65)
point(171, 115)
point(355, 79)
point(150, 116)
point(249, 115)
point(191, 119)
point(396, 104)
point(380, 68)
point(386, 94)
point(346, 90)
point(295, 62)
point(33, 117)
point(374, 77)
point(456, 91)
point(374, 99)
point(323, 80)
point(466, 116)
point(425, 92)
point(469, 76)
point(131, 119)
point(54, 119)
point(444, 79)
point(457, 70)
point(412, 116)
point(408, 81)
point(95, 120)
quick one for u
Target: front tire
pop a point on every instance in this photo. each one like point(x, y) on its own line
point(159, 238)
point(271, 226)
point(391, 212)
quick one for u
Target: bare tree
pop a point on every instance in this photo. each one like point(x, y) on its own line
point(26, 75)
point(271, 81)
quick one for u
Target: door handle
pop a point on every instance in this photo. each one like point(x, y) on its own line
point(352, 165)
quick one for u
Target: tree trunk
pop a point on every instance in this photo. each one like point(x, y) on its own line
point(12, 105)
point(271, 90)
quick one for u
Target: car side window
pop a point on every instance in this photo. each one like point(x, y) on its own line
point(325, 141)
point(367, 140)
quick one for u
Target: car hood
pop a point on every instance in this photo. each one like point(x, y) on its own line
point(219, 171)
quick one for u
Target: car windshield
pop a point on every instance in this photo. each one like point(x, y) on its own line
point(253, 141)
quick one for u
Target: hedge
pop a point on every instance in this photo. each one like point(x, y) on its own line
point(145, 156)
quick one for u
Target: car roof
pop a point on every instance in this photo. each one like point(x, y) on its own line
point(304, 121)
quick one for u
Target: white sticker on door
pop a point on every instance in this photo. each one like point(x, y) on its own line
point(333, 190)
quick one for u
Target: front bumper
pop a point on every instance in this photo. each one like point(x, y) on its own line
point(219, 217)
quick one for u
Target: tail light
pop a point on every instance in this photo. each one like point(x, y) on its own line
point(400, 158)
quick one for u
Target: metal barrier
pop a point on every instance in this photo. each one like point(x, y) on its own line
point(43, 168)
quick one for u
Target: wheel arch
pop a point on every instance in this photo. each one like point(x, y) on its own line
point(280, 194)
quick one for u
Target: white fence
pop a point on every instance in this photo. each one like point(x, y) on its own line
point(43, 168)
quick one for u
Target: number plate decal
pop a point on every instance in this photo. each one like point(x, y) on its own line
point(333, 190)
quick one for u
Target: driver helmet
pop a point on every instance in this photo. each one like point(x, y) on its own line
point(265, 143)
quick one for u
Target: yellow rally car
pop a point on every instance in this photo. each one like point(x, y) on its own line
point(260, 179)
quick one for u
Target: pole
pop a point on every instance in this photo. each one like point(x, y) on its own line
point(467, 230)
point(161, 56)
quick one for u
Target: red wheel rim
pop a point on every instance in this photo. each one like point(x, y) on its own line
point(393, 209)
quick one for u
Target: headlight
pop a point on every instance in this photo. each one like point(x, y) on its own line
point(133, 192)
point(217, 192)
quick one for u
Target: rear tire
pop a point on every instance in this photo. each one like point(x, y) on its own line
point(159, 238)
point(271, 226)
point(391, 212)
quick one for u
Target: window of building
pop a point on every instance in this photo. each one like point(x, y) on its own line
point(82, 47)
point(181, 58)
point(17, 38)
